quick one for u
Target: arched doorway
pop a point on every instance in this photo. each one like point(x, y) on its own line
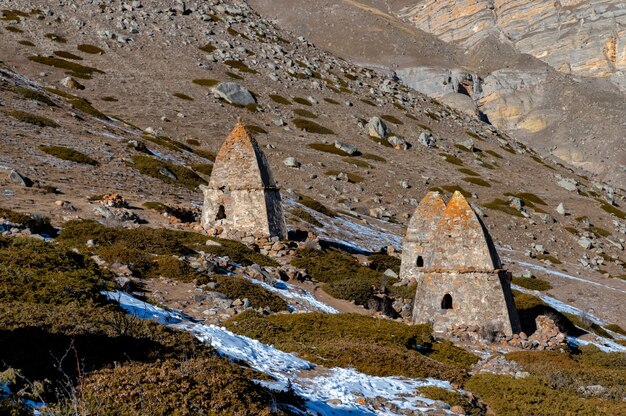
point(446, 302)
point(221, 213)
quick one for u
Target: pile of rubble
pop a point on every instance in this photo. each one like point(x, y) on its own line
point(499, 366)
point(546, 337)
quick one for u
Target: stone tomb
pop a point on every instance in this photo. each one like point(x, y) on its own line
point(242, 197)
point(450, 255)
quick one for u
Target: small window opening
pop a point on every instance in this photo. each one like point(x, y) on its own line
point(221, 213)
point(446, 302)
point(420, 261)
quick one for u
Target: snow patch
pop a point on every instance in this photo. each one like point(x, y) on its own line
point(346, 387)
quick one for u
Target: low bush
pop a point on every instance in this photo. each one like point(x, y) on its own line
point(331, 101)
point(469, 172)
point(616, 328)
point(533, 396)
point(55, 38)
point(240, 66)
point(279, 99)
point(208, 48)
point(302, 101)
point(327, 148)
point(91, 49)
point(494, 154)
point(167, 143)
point(68, 55)
point(75, 69)
point(255, 129)
point(14, 29)
point(209, 385)
point(259, 297)
point(167, 172)
point(456, 188)
point(352, 177)
point(310, 126)
point(85, 106)
point(612, 210)
point(34, 95)
point(392, 119)
point(26, 43)
point(358, 162)
point(205, 82)
point(315, 205)
point(382, 262)
point(304, 215)
point(477, 181)
point(72, 155)
point(376, 158)
point(35, 223)
point(205, 154)
point(452, 159)
point(182, 96)
point(203, 168)
point(33, 119)
point(304, 113)
point(532, 283)
point(373, 346)
point(548, 257)
point(239, 253)
point(502, 206)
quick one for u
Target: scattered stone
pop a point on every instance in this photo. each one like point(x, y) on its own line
point(426, 139)
point(568, 184)
point(345, 147)
point(584, 242)
point(468, 144)
point(72, 84)
point(516, 203)
point(377, 128)
point(19, 179)
point(291, 162)
point(560, 209)
point(398, 143)
point(234, 93)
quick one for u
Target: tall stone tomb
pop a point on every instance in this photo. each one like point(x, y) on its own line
point(242, 197)
point(460, 281)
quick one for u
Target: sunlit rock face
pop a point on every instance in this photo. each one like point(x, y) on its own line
point(582, 37)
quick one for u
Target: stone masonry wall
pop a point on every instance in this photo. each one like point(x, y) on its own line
point(478, 298)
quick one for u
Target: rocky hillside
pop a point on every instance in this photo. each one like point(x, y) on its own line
point(534, 81)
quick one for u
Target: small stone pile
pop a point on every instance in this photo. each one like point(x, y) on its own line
point(546, 337)
point(114, 201)
point(499, 366)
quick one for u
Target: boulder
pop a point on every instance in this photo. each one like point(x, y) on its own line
point(426, 139)
point(19, 179)
point(377, 128)
point(345, 147)
point(234, 93)
point(72, 84)
point(291, 162)
point(568, 184)
point(398, 143)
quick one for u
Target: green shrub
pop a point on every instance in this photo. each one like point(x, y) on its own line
point(304, 113)
point(302, 101)
point(75, 69)
point(310, 126)
point(327, 148)
point(532, 284)
point(334, 266)
point(34, 119)
point(370, 156)
point(205, 154)
point(239, 253)
point(358, 162)
point(358, 290)
point(203, 168)
point(154, 167)
point(259, 297)
point(452, 159)
point(477, 181)
point(548, 257)
point(167, 143)
point(305, 216)
point(382, 262)
point(392, 119)
point(35, 223)
point(72, 155)
point(368, 102)
point(234, 76)
point(279, 99)
point(331, 101)
point(177, 387)
point(239, 66)
point(208, 48)
point(182, 96)
point(587, 326)
point(26, 43)
point(532, 396)
point(612, 210)
point(193, 142)
point(68, 55)
point(38, 272)
point(55, 38)
point(503, 206)
point(494, 154)
point(30, 94)
point(599, 232)
point(91, 49)
point(156, 206)
point(456, 188)
point(373, 346)
point(315, 205)
point(14, 29)
point(616, 328)
point(469, 172)
point(205, 82)
point(85, 106)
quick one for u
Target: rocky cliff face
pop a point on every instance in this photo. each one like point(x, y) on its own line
point(580, 37)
